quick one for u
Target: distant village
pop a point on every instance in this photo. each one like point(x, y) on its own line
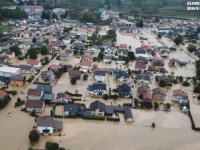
point(88, 72)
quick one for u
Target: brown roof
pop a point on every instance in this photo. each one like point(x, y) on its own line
point(180, 92)
point(9, 52)
point(2, 94)
point(158, 91)
point(34, 103)
point(68, 51)
point(34, 92)
point(123, 46)
point(63, 95)
point(32, 62)
point(140, 66)
point(86, 63)
point(88, 55)
point(76, 73)
point(145, 93)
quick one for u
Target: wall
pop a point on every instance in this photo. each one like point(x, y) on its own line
point(17, 83)
point(40, 129)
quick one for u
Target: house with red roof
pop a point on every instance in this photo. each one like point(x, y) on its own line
point(123, 46)
point(144, 93)
point(10, 54)
point(141, 67)
point(86, 65)
point(54, 67)
point(180, 96)
point(158, 94)
point(87, 57)
point(34, 63)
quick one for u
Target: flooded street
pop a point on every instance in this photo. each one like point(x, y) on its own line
point(173, 128)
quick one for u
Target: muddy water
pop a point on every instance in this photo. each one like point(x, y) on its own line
point(173, 128)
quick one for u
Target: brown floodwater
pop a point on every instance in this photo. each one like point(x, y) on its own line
point(173, 129)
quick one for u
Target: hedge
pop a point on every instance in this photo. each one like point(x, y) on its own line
point(113, 119)
point(94, 118)
point(70, 117)
point(13, 92)
point(30, 79)
point(109, 91)
point(78, 95)
point(191, 119)
point(60, 103)
point(58, 116)
point(76, 99)
point(41, 83)
point(19, 103)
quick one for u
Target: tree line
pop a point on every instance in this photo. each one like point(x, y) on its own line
point(14, 14)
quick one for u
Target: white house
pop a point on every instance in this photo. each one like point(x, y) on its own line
point(120, 62)
point(107, 59)
point(109, 49)
point(87, 57)
point(9, 71)
point(34, 63)
point(93, 49)
point(10, 54)
point(180, 96)
point(122, 76)
point(103, 14)
point(48, 125)
point(67, 40)
point(37, 105)
point(62, 97)
point(97, 89)
point(100, 75)
point(161, 29)
point(86, 65)
point(143, 79)
point(34, 94)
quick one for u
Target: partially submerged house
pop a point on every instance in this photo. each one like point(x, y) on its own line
point(180, 96)
point(48, 125)
point(177, 63)
point(34, 105)
point(62, 97)
point(145, 93)
point(122, 76)
point(158, 94)
point(125, 90)
point(97, 89)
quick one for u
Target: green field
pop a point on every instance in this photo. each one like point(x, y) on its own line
point(4, 27)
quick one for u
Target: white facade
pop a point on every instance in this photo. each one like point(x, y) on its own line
point(142, 81)
point(40, 129)
point(11, 56)
point(86, 67)
point(9, 71)
point(62, 100)
point(36, 66)
point(120, 62)
point(161, 30)
point(122, 79)
point(104, 15)
point(99, 78)
point(29, 109)
point(107, 60)
point(98, 92)
point(179, 99)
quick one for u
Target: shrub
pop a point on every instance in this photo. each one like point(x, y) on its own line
point(136, 102)
point(191, 48)
point(94, 118)
point(172, 48)
point(112, 119)
point(153, 125)
point(19, 103)
point(115, 90)
point(78, 95)
point(175, 81)
point(148, 105)
point(159, 36)
point(30, 79)
point(186, 83)
point(76, 99)
point(156, 105)
point(109, 91)
point(162, 83)
point(73, 80)
point(180, 78)
point(13, 92)
point(105, 96)
point(167, 106)
point(70, 116)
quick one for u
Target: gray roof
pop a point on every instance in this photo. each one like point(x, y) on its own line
point(17, 78)
point(64, 55)
point(124, 90)
point(25, 67)
point(122, 74)
point(100, 73)
point(143, 77)
point(49, 122)
point(107, 57)
point(45, 88)
point(5, 63)
point(123, 51)
point(47, 97)
point(72, 108)
point(97, 105)
point(112, 70)
point(97, 86)
point(163, 77)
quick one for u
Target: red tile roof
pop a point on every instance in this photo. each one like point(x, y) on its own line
point(32, 62)
point(89, 56)
point(34, 103)
point(2, 94)
point(86, 63)
point(140, 66)
point(123, 46)
point(180, 92)
point(34, 92)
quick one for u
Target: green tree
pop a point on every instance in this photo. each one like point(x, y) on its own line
point(162, 83)
point(1, 18)
point(156, 105)
point(167, 106)
point(159, 36)
point(51, 146)
point(178, 40)
point(54, 16)
point(139, 23)
point(186, 83)
point(58, 74)
point(33, 53)
point(156, 19)
point(81, 53)
point(73, 80)
point(115, 96)
point(34, 40)
point(16, 50)
point(44, 50)
point(61, 148)
point(75, 11)
point(136, 102)
point(105, 96)
point(65, 68)
point(30, 148)
point(75, 52)
point(191, 48)
point(34, 136)
point(131, 55)
point(65, 15)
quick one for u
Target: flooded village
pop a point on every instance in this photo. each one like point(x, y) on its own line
point(99, 87)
